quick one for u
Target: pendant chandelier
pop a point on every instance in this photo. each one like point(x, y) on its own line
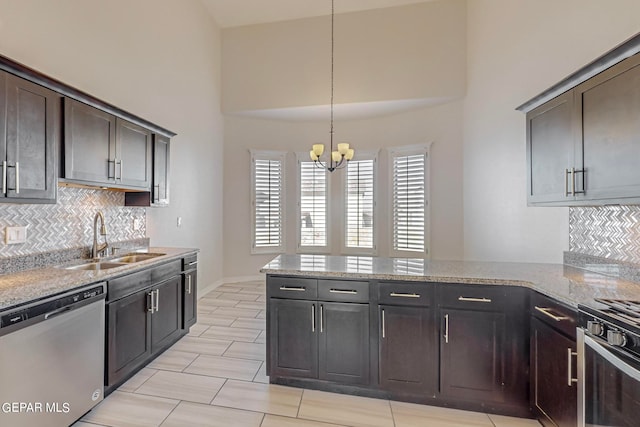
point(336, 158)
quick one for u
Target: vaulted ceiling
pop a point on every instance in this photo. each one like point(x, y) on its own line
point(234, 13)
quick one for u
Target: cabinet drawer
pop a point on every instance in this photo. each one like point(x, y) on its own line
point(126, 285)
point(474, 297)
point(166, 271)
point(554, 314)
point(343, 290)
point(399, 293)
point(190, 262)
point(292, 288)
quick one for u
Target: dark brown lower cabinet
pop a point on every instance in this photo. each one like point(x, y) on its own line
point(166, 320)
point(189, 298)
point(128, 332)
point(344, 342)
point(293, 338)
point(472, 354)
point(140, 326)
point(408, 350)
point(323, 340)
point(554, 392)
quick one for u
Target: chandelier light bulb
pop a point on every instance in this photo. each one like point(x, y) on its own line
point(318, 149)
point(313, 155)
point(343, 147)
point(336, 156)
point(349, 155)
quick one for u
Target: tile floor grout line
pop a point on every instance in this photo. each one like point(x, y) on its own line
point(393, 417)
point(218, 392)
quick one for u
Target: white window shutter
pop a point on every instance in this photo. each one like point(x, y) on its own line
point(359, 204)
point(268, 203)
point(313, 203)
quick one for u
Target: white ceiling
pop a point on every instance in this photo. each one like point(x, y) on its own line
point(234, 13)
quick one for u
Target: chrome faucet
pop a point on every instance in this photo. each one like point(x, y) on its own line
point(99, 250)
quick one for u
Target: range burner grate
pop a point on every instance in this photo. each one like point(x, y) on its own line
point(628, 310)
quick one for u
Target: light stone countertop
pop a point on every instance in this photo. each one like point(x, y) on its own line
point(31, 285)
point(567, 284)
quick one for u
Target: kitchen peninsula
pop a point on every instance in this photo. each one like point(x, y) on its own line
point(447, 333)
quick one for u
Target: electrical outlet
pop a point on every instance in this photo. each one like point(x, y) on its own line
point(14, 235)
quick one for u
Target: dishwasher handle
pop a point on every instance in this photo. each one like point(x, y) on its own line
point(57, 312)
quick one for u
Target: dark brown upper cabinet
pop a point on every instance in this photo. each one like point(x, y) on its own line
point(159, 194)
point(101, 149)
point(583, 134)
point(29, 117)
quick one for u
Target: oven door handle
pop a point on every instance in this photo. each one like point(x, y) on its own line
point(605, 353)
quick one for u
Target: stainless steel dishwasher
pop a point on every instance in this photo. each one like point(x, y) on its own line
point(52, 359)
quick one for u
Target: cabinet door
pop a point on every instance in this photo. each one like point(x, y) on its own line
point(408, 349)
point(472, 355)
point(166, 321)
point(189, 299)
point(554, 394)
point(160, 190)
point(89, 143)
point(344, 342)
point(31, 132)
point(610, 105)
point(133, 155)
point(550, 150)
point(293, 338)
point(128, 335)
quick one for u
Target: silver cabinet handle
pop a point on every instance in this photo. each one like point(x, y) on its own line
point(313, 317)
point(109, 169)
point(570, 379)
point(193, 263)
point(189, 284)
point(321, 318)
point(293, 288)
point(468, 299)
point(4, 177)
point(120, 169)
point(343, 291)
point(151, 305)
point(446, 328)
point(573, 181)
point(157, 299)
point(384, 333)
point(404, 295)
point(17, 177)
point(545, 311)
point(566, 183)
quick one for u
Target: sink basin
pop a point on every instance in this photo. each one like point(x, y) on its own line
point(96, 266)
point(129, 258)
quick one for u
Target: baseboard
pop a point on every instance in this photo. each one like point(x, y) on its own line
point(204, 291)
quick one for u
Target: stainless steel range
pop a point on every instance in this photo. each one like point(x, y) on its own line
point(609, 364)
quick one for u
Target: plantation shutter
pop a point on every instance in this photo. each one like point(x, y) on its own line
point(313, 205)
point(409, 203)
point(268, 203)
point(359, 204)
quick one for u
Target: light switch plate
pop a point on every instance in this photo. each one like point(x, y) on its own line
point(14, 235)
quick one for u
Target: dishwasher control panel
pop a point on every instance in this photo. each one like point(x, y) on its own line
point(16, 316)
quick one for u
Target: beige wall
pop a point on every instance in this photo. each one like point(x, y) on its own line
point(439, 125)
point(159, 59)
point(408, 52)
point(517, 49)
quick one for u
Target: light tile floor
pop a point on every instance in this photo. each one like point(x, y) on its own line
point(216, 376)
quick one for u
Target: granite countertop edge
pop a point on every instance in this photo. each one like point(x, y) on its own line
point(567, 284)
point(31, 285)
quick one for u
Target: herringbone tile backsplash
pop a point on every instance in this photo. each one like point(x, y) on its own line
point(69, 223)
point(606, 231)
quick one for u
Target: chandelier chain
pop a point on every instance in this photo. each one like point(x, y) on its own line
point(332, 52)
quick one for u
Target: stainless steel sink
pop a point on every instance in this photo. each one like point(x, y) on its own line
point(129, 258)
point(96, 266)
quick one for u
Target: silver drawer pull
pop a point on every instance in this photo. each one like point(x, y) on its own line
point(474, 299)
point(404, 295)
point(193, 263)
point(570, 379)
point(345, 291)
point(293, 288)
point(545, 311)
